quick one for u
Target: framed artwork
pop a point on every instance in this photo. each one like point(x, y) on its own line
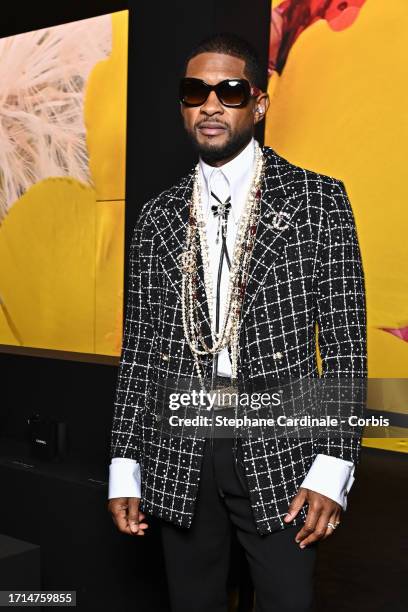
point(62, 186)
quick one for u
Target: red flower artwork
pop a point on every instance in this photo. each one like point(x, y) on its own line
point(399, 332)
point(291, 17)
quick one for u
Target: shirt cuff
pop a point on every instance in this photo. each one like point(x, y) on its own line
point(124, 478)
point(332, 477)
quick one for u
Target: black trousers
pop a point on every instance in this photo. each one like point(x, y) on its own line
point(197, 558)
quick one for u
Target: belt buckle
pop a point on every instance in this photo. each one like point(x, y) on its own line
point(230, 402)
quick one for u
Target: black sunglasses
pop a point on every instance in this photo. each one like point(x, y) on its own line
point(231, 92)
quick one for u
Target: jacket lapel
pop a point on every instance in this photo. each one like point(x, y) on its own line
point(278, 207)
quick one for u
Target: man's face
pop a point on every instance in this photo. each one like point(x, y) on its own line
point(219, 132)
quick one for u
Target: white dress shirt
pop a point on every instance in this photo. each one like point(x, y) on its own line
point(328, 475)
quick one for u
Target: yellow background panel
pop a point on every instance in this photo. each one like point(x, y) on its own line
point(47, 278)
point(61, 278)
point(105, 115)
point(110, 222)
point(339, 108)
point(390, 444)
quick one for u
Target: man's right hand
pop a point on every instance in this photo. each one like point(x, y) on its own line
point(126, 515)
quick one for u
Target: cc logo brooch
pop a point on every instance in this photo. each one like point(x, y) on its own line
point(278, 220)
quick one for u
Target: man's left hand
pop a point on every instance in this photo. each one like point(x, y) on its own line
point(322, 511)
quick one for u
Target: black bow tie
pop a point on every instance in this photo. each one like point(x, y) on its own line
point(222, 208)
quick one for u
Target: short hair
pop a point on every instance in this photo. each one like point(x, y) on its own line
point(232, 44)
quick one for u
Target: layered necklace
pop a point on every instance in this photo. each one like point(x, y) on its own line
point(196, 239)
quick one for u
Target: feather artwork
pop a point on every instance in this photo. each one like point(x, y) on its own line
point(43, 76)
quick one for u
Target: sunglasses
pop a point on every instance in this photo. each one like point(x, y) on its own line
point(234, 93)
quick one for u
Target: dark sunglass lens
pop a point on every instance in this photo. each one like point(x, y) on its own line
point(193, 92)
point(232, 93)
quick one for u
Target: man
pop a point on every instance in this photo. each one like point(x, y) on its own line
point(286, 237)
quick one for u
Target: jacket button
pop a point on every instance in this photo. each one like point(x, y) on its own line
point(164, 356)
point(277, 355)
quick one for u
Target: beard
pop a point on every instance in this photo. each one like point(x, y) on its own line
point(211, 153)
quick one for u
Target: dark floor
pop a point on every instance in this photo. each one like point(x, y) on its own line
point(364, 566)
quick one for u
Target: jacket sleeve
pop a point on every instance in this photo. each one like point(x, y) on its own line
point(138, 346)
point(341, 318)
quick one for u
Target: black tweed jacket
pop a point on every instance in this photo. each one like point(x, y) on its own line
point(305, 270)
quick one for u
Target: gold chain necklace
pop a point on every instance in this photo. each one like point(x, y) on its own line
point(195, 239)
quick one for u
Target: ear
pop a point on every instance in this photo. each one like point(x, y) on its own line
point(183, 113)
point(261, 107)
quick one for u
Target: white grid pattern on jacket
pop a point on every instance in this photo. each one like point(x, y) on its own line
point(308, 271)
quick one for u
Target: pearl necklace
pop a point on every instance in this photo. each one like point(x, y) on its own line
point(196, 239)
